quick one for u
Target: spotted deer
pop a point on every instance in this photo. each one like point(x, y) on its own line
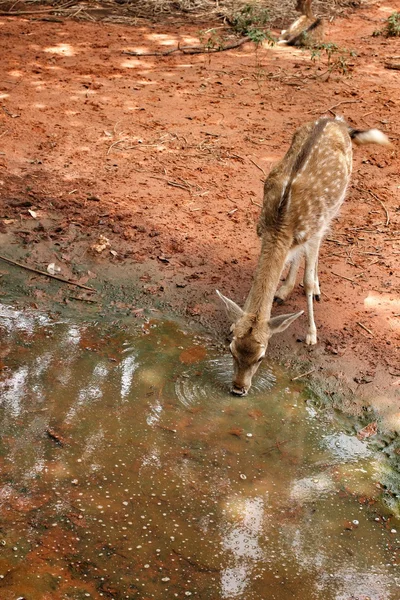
point(302, 194)
point(305, 30)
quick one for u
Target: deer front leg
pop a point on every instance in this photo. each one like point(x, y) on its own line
point(287, 287)
point(311, 285)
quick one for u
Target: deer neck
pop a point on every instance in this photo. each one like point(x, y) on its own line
point(273, 255)
point(307, 10)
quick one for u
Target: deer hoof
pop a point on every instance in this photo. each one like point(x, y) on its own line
point(317, 297)
point(311, 339)
point(278, 300)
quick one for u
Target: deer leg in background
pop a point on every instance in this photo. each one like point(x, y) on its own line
point(317, 290)
point(287, 287)
point(311, 254)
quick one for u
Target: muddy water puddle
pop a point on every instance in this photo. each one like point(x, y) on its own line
point(128, 472)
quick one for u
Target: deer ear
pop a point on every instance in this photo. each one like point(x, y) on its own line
point(233, 310)
point(278, 324)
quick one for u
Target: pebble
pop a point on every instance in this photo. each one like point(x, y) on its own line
point(355, 522)
point(393, 531)
point(165, 579)
point(243, 476)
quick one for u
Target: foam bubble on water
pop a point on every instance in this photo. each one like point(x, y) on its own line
point(347, 448)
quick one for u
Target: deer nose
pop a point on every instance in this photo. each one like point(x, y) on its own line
point(238, 391)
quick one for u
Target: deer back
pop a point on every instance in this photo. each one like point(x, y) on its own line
point(304, 191)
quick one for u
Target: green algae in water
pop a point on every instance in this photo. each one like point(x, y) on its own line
point(129, 472)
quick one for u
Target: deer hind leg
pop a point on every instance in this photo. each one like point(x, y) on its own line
point(317, 290)
point(310, 286)
point(287, 287)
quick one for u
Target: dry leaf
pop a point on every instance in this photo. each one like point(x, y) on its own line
point(368, 431)
point(236, 431)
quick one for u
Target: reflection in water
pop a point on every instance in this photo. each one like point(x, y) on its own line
point(242, 541)
point(128, 472)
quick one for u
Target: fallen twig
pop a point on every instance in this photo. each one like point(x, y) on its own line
point(340, 103)
point(179, 185)
point(395, 66)
point(344, 277)
point(303, 375)
point(383, 206)
point(365, 328)
point(10, 114)
point(336, 242)
point(36, 12)
point(191, 49)
point(89, 300)
point(258, 166)
point(17, 264)
point(255, 203)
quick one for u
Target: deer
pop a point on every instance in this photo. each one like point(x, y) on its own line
point(302, 194)
point(304, 30)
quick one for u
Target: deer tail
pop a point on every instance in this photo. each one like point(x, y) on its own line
point(369, 136)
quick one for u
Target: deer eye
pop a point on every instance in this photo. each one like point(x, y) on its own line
point(261, 358)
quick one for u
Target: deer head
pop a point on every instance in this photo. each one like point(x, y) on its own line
point(250, 342)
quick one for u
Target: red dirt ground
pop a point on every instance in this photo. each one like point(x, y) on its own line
point(164, 157)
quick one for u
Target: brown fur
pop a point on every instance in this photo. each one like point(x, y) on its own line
point(304, 31)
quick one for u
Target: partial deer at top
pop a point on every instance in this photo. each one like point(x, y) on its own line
point(304, 31)
point(302, 194)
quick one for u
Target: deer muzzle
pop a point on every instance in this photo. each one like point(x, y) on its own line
point(238, 391)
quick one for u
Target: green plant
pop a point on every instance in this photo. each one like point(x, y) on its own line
point(251, 20)
point(336, 59)
point(392, 27)
point(211, 40)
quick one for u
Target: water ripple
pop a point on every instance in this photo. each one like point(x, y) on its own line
point(214, 381)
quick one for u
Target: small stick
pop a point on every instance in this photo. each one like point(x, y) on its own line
point(35, 12)
point(365, 328)
point(395, 66)
point(17, 264)
point(303, 375)
point(191, 49)
point(83, 299)
point(254, 202)
point(336, 242)
point(236, 156)
point(343, 277)
point(179, 185)
point(383, 206)
point(258, 167)
point(340, 103)
point(12, 115)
